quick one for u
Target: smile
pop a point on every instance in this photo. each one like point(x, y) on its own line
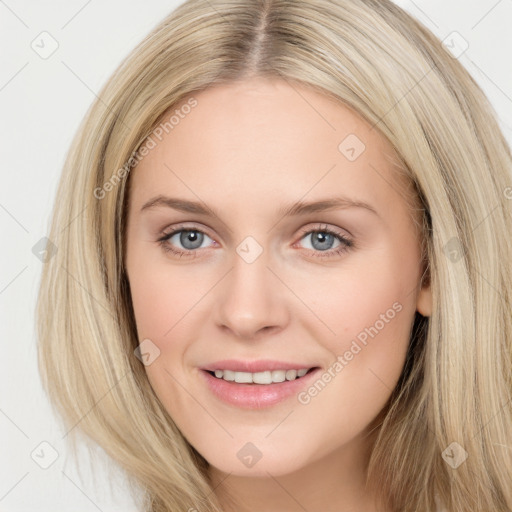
point(258, 390)
point(266, 377)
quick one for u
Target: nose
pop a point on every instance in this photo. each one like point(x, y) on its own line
point(251, 299)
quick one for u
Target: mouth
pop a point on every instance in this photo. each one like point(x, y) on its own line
point(264, 378)
point(257, 390)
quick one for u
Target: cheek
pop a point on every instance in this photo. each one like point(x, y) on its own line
point(162, 301)
point(369, 309)
point(371, 316)
point(154, 304)
point(169, 310)
point(161, 296)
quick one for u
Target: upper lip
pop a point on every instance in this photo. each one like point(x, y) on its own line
point(254, 366)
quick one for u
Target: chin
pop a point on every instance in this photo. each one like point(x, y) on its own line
point(247, 462)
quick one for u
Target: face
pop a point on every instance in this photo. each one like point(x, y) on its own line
point(230, 270)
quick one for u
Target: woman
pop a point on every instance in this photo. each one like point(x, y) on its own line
point(340, 338)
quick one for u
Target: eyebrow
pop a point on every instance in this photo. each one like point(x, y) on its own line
point(292, 210)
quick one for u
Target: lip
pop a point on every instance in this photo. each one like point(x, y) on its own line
point(257, 396)
point(262, 365)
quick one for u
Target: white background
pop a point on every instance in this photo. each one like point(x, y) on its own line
point(42, 102)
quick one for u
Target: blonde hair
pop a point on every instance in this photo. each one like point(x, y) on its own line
point(372, 56)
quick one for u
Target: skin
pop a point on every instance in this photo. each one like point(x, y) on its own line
point(247, 149)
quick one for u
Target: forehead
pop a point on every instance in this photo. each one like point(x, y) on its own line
point(267, 139)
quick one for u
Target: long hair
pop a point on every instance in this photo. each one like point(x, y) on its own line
point(454, 395)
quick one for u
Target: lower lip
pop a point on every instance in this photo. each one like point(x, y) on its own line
point(256, 396)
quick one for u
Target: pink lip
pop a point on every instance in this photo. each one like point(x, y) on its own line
point(255, 366)
point(256, 396)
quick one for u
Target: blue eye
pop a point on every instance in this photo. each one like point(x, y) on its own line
point(322, 240)
point(192, 239)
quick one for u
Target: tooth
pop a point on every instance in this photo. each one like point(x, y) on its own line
point(243, 377)
point(278, 375)
point(262, 377)
point(229, 375)
point(265, 377)
point(291, 374)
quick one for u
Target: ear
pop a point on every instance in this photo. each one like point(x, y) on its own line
point(424, 302)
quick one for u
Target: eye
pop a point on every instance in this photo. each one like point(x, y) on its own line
point(322, 240)
point(185, 241)
point(190, 240)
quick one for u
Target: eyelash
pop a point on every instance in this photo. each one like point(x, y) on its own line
point(345, 243)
